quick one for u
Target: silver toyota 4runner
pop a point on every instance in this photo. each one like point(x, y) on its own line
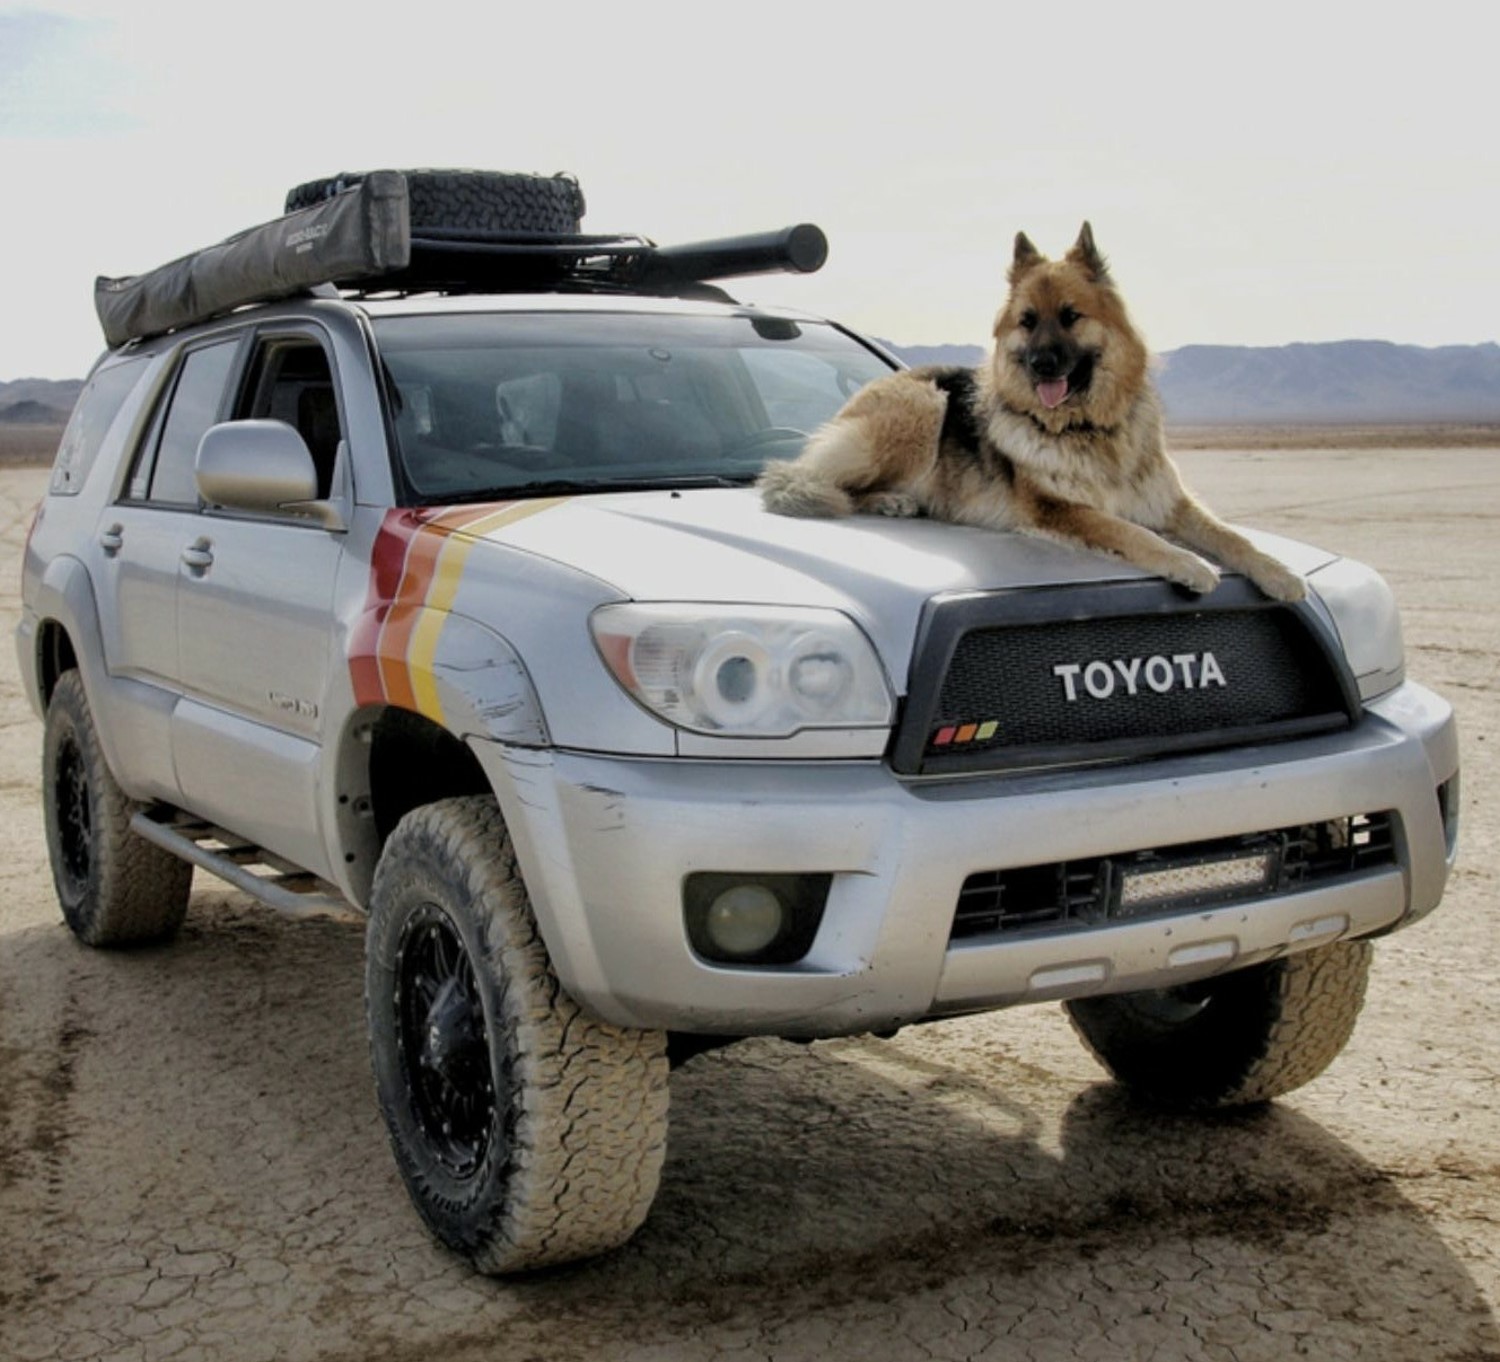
point(445, 596)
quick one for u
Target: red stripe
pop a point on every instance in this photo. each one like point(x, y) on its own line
point(387, 558)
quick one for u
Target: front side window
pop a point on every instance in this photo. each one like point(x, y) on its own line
point(516, 404)
point(291, 380)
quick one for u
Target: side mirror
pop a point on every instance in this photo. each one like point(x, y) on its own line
point(265, 467)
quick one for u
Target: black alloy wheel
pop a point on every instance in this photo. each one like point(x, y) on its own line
point(442, 1036)
point(75, 820)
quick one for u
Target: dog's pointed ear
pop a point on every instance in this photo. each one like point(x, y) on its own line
point(1086, 256)
point(1025, 258)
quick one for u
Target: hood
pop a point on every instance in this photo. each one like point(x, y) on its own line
point(722, 545)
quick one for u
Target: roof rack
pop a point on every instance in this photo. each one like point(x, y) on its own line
point(361, 240)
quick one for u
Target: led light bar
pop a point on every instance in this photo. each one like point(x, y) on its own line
point(1203, 881)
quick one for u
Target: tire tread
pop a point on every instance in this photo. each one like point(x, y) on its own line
point(1319, 996)
point(1287, 1022)
point(474, 200)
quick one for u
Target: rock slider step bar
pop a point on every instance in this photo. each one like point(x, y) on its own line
point(283, 890)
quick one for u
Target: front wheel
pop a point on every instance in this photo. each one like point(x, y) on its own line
point(1235, 1039)
point(527, 1133)
point(115, 888)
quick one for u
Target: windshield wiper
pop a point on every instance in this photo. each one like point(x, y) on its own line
point(563, 487)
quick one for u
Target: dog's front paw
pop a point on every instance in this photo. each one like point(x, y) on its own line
point(891, 503)
point(1278, 583)
point(1194, 573)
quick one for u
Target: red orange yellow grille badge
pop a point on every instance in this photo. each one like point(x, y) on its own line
point(952, 735)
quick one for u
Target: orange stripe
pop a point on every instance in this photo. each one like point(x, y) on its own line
point(390, 652)
point(406, 607)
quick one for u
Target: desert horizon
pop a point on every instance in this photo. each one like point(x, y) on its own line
point(1207, 392)
point(26, 445)
point(1316, 435)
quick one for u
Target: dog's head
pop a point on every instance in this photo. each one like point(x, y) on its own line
point(1065, 351)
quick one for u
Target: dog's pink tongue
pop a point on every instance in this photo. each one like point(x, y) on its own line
point(1052, 391)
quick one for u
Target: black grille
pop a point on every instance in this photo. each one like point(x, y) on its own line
point(1090, 892)
point(1112, 673)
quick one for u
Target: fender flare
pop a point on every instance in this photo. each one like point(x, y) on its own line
point(65, 597)
point(458, 673)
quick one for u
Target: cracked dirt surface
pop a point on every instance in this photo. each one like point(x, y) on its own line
point(191, 1164)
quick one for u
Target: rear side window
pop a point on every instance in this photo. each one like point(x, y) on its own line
point(98, 405)
point(197, 399)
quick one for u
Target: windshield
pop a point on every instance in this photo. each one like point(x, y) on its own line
point(523, 403)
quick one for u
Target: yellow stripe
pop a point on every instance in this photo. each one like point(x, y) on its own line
point(447, 573)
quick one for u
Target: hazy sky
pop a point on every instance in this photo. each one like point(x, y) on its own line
point(1257, 174)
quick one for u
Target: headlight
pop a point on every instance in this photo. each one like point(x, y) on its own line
point(745, 671)
point(1364, 609)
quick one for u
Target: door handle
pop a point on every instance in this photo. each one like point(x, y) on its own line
point(112, 540)
point(199, 554)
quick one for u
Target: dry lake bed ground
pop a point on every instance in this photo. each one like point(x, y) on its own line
point(191, 1163)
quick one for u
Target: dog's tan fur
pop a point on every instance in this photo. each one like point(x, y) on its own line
point(1090, 470)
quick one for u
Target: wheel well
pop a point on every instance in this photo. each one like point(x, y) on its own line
point(414, 762)
point(55, 656)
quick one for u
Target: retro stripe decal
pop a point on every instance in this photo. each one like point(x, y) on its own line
point(416, 566)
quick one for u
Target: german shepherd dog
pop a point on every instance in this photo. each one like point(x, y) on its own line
point(1057, 434)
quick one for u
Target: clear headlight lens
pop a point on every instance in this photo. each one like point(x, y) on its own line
point(1364, 609)
point(745, 671)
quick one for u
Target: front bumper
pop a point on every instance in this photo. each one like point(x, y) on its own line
point(605, 842)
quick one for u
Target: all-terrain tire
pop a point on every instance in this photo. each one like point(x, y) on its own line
point(115, 888)
point(1237, 1039)
point(526, 1132)
point(475, 201)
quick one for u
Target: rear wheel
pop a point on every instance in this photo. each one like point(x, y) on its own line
point(116, 889)
point(527, 1133)
point(1236, 1039)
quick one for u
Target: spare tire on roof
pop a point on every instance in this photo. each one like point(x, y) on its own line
point(471, 201)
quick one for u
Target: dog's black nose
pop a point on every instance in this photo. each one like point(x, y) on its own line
point(1046, 363)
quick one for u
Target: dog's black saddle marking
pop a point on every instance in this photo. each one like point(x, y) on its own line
point(960, 425)
point(963, 432)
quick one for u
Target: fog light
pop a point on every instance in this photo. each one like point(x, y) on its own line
point(744, 920)
point(1448, 807)
point(753, 919)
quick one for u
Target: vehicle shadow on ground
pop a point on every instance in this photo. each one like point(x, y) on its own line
point(189, 1141)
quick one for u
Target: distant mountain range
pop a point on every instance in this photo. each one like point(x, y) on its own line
point(38, 401)
point(1339, 382)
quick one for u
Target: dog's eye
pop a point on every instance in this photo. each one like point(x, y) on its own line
point(1068, 316)
point(1028, 320)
